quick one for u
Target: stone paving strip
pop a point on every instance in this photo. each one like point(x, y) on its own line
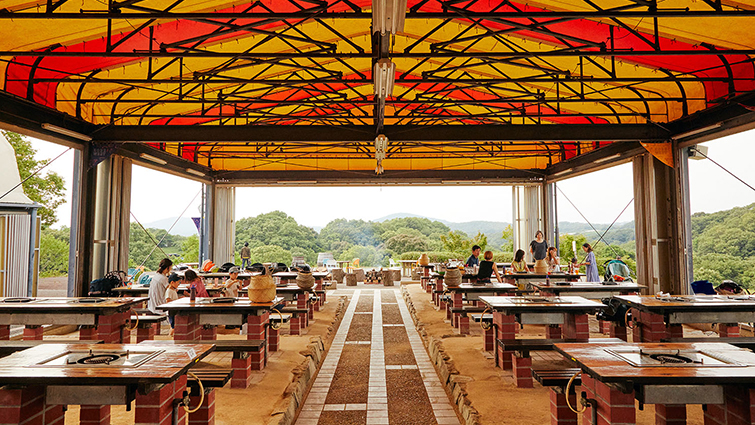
point(349, 389)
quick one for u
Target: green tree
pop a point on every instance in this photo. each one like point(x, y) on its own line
point(406, 243)
point(46, 188)
point(508, 237)
point(53, 252)
point(458, 242)
point(271, 254)
point(276, 228)
point(190, 249)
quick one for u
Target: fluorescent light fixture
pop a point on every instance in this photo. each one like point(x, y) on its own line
point(388, 16)
point(460, 181)
point(608, 158)
point(67, 132)
point(695, 131)
point(195, 172)
point(151, 158)
point(568, 170)
point(297, 182)
point(384, 75)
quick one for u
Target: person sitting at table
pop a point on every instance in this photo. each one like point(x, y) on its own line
point(591, 265)
point(474, 259)
point(158, 285)
point(171, 294)
point(488, 268)
point(554, 263)
point(233, 284)
point(519, 265)
point(195, 281)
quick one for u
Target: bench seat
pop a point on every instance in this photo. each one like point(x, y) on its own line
point(211, 378)
point(556, 377)
point(226, 345)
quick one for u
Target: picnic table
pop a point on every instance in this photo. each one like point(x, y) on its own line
point(589, 290)
point(99, 318)
point(564, 318)
point(40, 381)
point(661, 317)
point(195, 320)
point(717, 376)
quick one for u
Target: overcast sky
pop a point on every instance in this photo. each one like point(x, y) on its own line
point(600, 196)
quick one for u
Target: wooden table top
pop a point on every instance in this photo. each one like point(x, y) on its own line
point(689, 302)
point(141, 289)
point(597, 360)
point(588, 287)
point(494, 287)
point(24, 367)
point(206, 305)
point(536, 304)
point(69, 305)
point(292, 275)
point(542, 276)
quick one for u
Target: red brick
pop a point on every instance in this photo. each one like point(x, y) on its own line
point(94, 415)
point(670, 414)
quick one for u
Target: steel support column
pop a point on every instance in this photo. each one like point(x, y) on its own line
point(527, 217)
point(206, 224)
point(550, 228)
point(660, 232)
point(82, 224)
point(224, 233)
point(111, 222)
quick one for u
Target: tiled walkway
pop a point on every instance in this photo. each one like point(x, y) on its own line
point(377, 370)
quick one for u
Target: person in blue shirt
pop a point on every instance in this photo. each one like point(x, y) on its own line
point(474, 259)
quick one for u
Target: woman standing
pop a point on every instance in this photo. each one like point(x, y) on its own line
point(158, 285)
point(539, 249)
point(591, 265)
point(554, 263)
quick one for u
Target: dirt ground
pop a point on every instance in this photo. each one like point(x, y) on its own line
point(254, 404)
point(491, 390)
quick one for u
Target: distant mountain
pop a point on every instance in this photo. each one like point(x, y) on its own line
point(184, 227)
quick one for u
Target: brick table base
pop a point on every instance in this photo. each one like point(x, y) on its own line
point(560, 412)
point(613, 406)
point(27, 406)
point(187, 327)
point(206, 413)
point(111, 329)
point(506, 326)
point(156, 408)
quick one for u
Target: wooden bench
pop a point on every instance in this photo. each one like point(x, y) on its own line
point(211, 378)
point(742, 342)
point(557, 380)
point(298, 320)
point(521, 348)
point(145, 328)
point(241, 363)
point(556, 377)
point(9, 347)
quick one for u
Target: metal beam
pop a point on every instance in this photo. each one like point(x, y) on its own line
point(181, 53)
point(367, 177)
point(318, 133)
point(104, 15)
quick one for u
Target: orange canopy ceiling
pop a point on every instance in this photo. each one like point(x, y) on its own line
point(142, 64)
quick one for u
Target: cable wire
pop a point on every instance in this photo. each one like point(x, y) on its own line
point(171, 228)
point(724, 168)
point(147, 232)
point(600, 237)
point(34, 173)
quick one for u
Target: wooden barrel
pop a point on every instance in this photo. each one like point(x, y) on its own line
point(261, 289)
point(359, 274)
point(351, 279)
point(396, 275)
point(337, 275)
point(387, 277)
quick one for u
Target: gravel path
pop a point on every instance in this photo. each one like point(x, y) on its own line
point(377, 371)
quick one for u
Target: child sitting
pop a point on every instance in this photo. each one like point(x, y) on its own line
point(171, 294)
point(233, 284)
